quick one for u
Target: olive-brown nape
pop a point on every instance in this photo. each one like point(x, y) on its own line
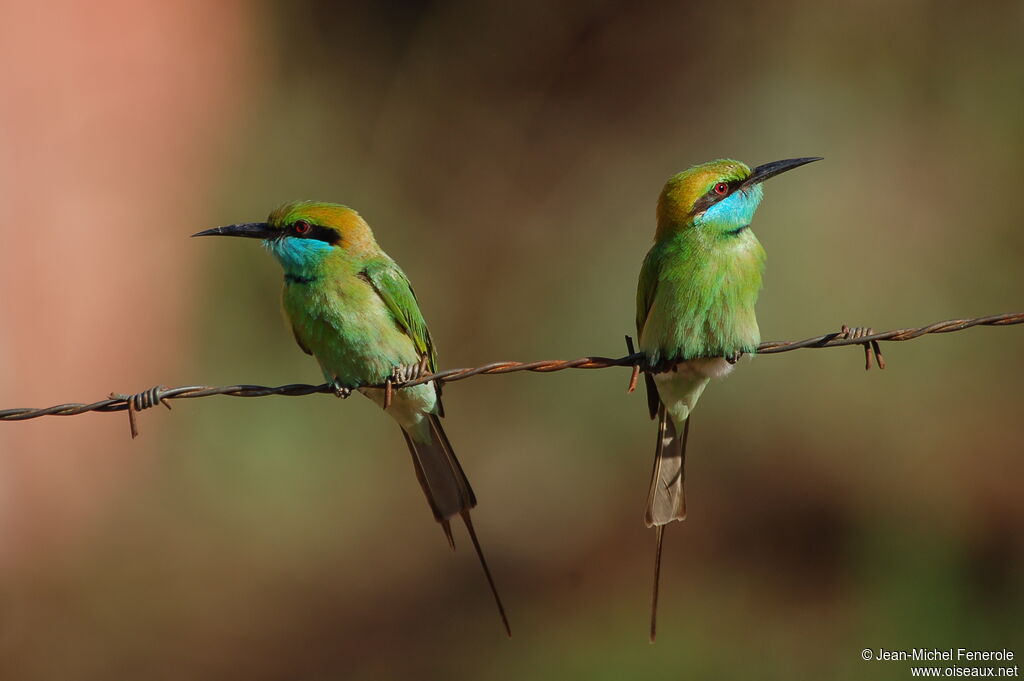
point(682, 191)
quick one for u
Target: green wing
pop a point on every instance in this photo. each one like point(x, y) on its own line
point(391, 284)
point(645, 289)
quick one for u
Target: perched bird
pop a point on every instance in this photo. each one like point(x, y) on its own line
point(354, 310)
point(695, 310)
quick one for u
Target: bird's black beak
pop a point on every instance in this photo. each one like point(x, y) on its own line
point(768, 170)
point(251, 230)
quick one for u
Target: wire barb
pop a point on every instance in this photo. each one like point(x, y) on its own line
point(871, 348)
point(138, 402)
point(146, 399)
point(636, 367)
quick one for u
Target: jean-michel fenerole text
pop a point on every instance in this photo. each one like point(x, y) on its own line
point(933, 654)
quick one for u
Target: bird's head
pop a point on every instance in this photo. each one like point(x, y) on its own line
point(719, 195)
point(301, 234)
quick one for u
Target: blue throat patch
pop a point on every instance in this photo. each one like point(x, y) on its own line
point(735, 211)
point(298, 257)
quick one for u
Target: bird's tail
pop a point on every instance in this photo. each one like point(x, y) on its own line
point(446, 487)
point(666, 500)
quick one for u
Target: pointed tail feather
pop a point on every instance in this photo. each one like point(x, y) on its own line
point(666, 500)
point(421, 477)
point(659, 539)
point(653, 400)
point(447, 489)
point(438, 471)
point(487, 572)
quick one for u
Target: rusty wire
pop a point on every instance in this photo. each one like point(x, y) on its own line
point(862, 336)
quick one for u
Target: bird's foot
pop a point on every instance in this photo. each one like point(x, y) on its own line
point(400, 374)
point(339, 390)
point(733, 357)
point(871, 348)
point(409, 372)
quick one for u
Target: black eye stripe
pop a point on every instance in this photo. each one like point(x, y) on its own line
point(711, 197)
point(318, 232)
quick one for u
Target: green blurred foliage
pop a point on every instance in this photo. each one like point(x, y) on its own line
point(509, 157)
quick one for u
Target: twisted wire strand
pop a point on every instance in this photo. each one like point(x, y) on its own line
point(159, 395)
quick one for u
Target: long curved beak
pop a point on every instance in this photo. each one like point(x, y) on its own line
point(769, 170)
point(251, 230)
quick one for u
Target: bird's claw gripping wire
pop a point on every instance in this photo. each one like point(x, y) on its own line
point(408, 372)
point(871, 348)
point(138, 402)
point(340, 390)
point(734, 357)
point(635, 374)
point(401, 375)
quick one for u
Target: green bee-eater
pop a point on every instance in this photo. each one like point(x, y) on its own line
point(353, 309)
point(695, 310)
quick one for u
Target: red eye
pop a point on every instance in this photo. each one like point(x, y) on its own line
point(302, 227)
point(721, 189)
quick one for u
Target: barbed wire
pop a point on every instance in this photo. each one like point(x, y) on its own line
point(862, 336)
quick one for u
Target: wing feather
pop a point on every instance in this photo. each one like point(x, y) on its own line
point(646, 288)
point(393, 287)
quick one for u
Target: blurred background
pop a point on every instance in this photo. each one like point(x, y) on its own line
point(509, 157)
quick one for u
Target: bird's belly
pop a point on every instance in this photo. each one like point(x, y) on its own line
point(679, 391)
point(408, 405)
point(679, 325)
point(356, 342)
point(705, 367)
point(680, 388)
